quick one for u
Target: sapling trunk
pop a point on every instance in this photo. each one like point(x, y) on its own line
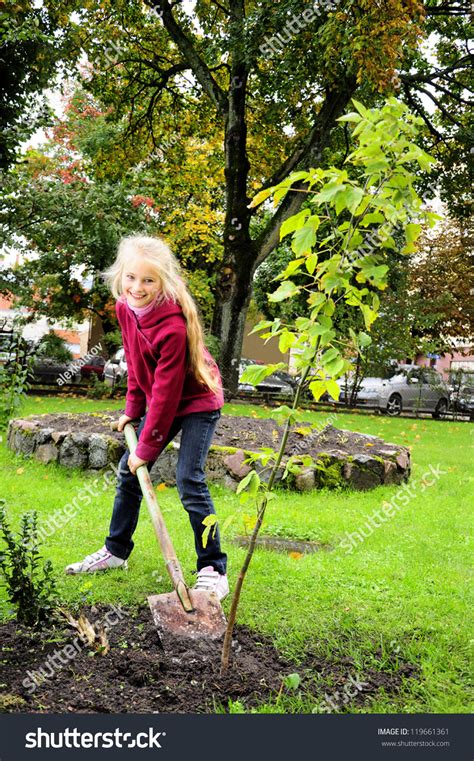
point(253, 539)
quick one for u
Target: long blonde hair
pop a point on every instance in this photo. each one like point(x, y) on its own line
point(157, 253)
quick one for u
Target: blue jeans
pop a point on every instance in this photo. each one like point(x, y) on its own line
point(197, 430)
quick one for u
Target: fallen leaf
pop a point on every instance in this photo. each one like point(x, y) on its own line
point(295, 555)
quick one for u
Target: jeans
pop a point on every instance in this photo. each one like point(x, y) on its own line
point(197, 430)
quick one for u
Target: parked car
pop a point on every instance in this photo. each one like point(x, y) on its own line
point(279, 383)
point(115, 369)
point(95, 366)
point(462, 392)
point(48, 370)
point(407, 387)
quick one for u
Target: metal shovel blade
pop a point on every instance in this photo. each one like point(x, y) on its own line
point(206, 621)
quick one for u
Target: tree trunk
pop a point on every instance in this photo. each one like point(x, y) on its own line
point(242, 255)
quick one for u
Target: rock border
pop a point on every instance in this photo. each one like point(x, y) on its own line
point(225, 465)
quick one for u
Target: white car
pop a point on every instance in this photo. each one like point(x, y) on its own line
point(115, 370)
point(410, 387)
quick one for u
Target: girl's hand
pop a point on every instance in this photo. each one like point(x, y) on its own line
point(134, 462)
point(122, 420)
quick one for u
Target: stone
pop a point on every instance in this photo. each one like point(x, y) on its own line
point(391, 473)
point(115, 450)
point(24, 440)
point(98, 451)
point(376, 466)
point(164, 469)
point(235, 464)
point(59, 436)
point(47, 453)
point(361, 478)
point(305, 481)
point(403, 460)
point(43, 435)
point(74, 450)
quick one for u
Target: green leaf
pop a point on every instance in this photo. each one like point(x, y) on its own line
point(330, 355)
point(292, 268)
point(369, 315)
point(334, 367)
point(311, 262)
point(317, 388)
point(286, 290)
point(251, 481)
point(294, 223)
point(260, 197)
point(363, 339)
point(333, 389)
point(374, 217)
point(361, 109)
point(412, 232)
point(210, 521)
point(254, 374)
point(292, 681)
point(287, 340)
point(316, 299)
point(262, 325)
point(303, 240)
point(350, 117)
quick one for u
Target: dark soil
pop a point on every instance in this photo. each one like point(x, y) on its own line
point(241, 432)
point(137, 676)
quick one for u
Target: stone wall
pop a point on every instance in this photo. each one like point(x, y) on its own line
point(94, 451)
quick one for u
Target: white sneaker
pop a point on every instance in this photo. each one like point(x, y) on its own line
point(209, 580)
point(102, 560)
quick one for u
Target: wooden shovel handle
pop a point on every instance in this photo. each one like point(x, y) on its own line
point(172, 564)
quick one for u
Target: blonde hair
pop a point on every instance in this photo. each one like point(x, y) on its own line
point(156, 253)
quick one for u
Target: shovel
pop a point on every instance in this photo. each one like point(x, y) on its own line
point(184, 613)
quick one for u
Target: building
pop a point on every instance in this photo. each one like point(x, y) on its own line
point(76, 339)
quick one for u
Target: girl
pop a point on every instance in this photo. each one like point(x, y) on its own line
point(173, 385)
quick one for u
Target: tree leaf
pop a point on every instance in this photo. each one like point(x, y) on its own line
point(286, 290)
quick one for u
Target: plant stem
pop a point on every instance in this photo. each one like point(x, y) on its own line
point(260, 515)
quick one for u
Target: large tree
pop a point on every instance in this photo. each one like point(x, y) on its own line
point(32, 43)
point(274, 77)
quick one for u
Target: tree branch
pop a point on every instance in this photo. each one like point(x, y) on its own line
point(332, 108)
point(419, 110)
point(188, 51)
point(447, 10)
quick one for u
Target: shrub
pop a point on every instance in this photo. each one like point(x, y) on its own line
point(31, 586)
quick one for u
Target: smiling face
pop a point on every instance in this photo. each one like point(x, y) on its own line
point(140, 283)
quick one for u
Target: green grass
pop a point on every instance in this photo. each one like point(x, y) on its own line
point(399, 596)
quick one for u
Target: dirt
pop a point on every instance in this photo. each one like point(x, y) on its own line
point(137, 676)
point(240, 432)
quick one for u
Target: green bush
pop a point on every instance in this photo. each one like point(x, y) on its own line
point(31, 586)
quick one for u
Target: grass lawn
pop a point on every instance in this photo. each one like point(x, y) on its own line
point(399, 595)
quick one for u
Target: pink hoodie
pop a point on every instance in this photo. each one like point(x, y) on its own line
point(158, 379)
